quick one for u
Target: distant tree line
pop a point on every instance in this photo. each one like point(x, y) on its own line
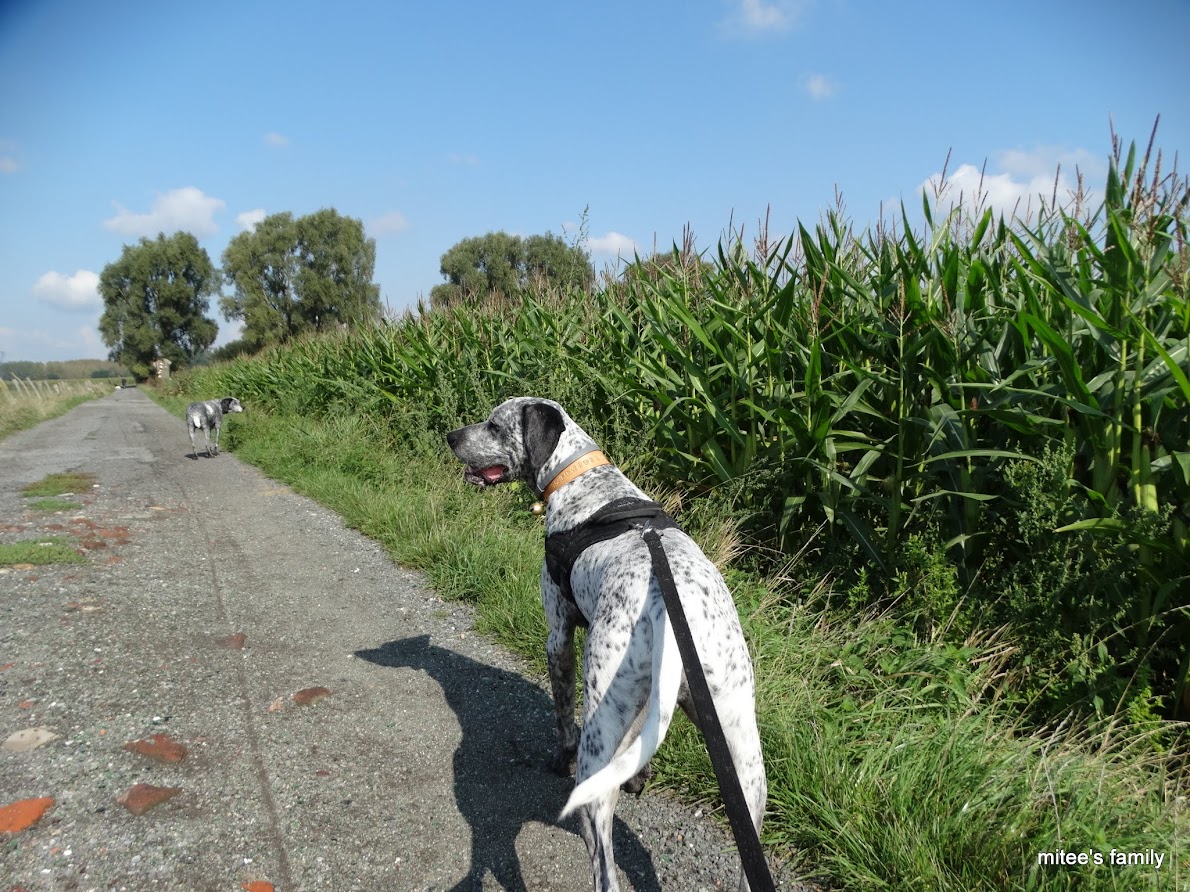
point(292, 276)
point(67, 370)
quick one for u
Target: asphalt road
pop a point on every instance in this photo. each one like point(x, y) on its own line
point(425, 767)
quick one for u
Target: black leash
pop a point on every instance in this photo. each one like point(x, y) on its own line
point(756, 869)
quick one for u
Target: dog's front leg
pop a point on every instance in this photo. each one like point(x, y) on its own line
point(559, 650)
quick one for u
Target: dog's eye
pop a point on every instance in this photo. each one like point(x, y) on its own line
point(493, 427)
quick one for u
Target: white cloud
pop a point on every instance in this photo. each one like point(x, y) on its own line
point(613, 244)
point(250, 219)
point(469, 159)
point(187, 209)
point(1018, 181)
point(276, 140)
point(393, 221)
point(760, 17)
point(79, 292)
point(818, 86)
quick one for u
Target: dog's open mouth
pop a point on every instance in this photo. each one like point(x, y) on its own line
point(485, 476)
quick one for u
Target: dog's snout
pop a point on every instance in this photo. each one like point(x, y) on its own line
point(452, 438)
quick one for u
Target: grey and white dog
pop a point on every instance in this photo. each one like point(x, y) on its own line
point(208, 417)
point(632, 672)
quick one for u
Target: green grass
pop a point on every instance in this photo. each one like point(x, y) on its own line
point(48, 550)
point(60, 484)
point(894, 761)
point(53, 505)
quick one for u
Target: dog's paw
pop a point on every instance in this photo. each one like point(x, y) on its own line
point(636, 784)
point(564, 762)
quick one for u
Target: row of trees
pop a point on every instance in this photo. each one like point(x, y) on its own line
point(294, 275)
point(290, 276)
point(69, 369)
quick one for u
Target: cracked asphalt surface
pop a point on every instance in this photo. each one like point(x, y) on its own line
point(425, 768)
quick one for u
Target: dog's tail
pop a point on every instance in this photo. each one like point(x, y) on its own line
point(663, 698)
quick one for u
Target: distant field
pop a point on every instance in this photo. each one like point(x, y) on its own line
point(26, 403)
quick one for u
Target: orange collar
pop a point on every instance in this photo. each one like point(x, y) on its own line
point(575, 469)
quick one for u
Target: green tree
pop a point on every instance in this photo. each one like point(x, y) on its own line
point(154, 299)
point(297, 275)
point(499, 263)
point(335, 264)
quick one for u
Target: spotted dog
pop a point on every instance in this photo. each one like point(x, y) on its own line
point(208, 417)
point(632, 672)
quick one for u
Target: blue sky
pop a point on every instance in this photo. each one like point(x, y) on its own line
point(432, 122)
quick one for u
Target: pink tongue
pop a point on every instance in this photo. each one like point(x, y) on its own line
point(493, 473)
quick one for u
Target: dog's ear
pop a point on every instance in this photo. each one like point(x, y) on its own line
point(541, 427)
point(225, 404)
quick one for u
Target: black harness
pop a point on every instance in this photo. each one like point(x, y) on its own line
point(613, 519)
point(648, 518)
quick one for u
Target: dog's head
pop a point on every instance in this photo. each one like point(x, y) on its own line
point(230, 404)
point(518, 441)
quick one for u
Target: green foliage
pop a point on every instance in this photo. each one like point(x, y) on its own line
point(871, 404)
point(502, 264)
point(154, 299)
point(294, 276)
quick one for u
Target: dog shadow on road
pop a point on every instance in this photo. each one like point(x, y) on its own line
point(502, 778)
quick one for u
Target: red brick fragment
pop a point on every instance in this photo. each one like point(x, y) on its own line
point(139, 798)
point(18, 816)
point(161, 747)
point(257, 886)
point(310, 696)
point(233, 642)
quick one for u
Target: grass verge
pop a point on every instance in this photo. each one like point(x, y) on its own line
point(25, 405)
point(894, 762)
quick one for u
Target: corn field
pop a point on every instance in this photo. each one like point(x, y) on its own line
point(908, 403)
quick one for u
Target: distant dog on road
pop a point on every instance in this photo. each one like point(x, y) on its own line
point(598, 573)
point(208, 417)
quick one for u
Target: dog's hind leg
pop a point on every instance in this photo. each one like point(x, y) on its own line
point(595, 822)
point(193, 445)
